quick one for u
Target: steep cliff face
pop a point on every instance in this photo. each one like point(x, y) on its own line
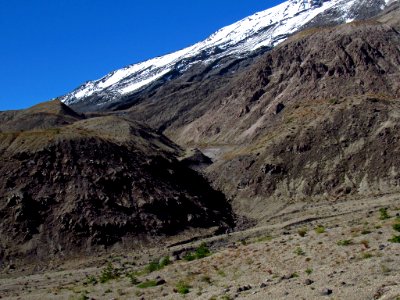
point(93, 183)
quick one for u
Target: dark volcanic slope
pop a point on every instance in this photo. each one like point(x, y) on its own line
point(94, 182)
point(315, 117)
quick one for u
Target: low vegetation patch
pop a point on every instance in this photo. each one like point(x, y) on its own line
point(147, 284)
point(344, 242)
point(395, 239)
point(299, 251)
point(109, 273)
point(383, 214)
point(158, 264)
point(200, 252)
point(183, 288)
point(320, 229)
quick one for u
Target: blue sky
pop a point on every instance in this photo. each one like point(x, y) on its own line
point(49, 47)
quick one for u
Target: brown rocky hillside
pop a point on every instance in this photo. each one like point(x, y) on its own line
point(92, 183)
point(318, 117)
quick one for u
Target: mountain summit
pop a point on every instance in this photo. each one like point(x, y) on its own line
point(253, 34)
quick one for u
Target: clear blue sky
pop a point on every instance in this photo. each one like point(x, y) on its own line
point(49, 47)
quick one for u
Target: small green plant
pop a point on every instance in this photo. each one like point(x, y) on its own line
point(226, 297)
point(302, 232)
point(152, 267)
point(396, 227)
point(165, 261)
point(189, 256)
point(109, 273)
point(320, 229)
point(383, 214)
point(395, 239)
point(299, 251)
point(91, 280)
point(344, 242)
point(365, 231)
point(200, 252)
point(183, 288)
point(308, 271)
point(158, 264)
point(147, 284)
point(295, 275)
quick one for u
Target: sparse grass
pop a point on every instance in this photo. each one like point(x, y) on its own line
point(365, 231)
point(109, 273)
point(344, 242)
point(320, 229)
point(302, 232)
point(221, 273)
point(309, 271)
point(147, 284)
point(183, 288)
point(383, 214)
point(266, 238)
point(299, 251)
point(385, 269)
point(366, 255)
point(92, 280)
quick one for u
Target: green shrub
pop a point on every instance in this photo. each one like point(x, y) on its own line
point(165, 261)
point(189, 256)
point(383, 214)
point(109, 273)
point(320, 229)
point(158, 264)
point(147, 284)
point(396, 227)
point(183, 288)
point(395, 239)
point(200, 252)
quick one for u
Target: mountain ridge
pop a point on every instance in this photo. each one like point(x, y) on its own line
point(264, 29)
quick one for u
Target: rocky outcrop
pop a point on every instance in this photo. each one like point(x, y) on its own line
point(94, 183)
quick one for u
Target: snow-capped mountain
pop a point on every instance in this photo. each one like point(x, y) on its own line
point(263, 29)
